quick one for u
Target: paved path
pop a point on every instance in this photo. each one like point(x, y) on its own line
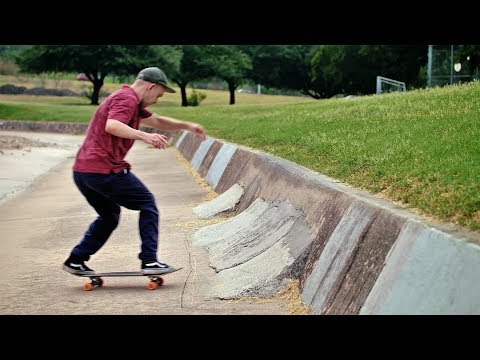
point(46, 216)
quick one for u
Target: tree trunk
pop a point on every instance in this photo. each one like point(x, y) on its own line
point(97, 85)
point(231, 88)
point(183, 90)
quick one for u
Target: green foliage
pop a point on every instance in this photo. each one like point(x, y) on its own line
point(469, 55)
point(168, 58)
point(230, 64)
point(10, 52)
point(95, 61)
point(191, 67)
point(195, 98)
point(352, 69)
point(283, 67)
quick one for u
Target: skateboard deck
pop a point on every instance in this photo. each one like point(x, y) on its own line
point(156, 280)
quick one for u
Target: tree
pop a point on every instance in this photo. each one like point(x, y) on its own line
point(334, 71)
point(341, 69)
point(283, 67)
point(168, 58)
point(230, 64)
point(398, 62)
point(190, 67)
point(469, 55)
point(9, 52)
point(95, 61)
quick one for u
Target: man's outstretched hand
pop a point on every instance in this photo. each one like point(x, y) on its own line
point(156, 140)
point(198, 130)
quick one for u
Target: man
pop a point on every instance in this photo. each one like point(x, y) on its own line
point(103, 176)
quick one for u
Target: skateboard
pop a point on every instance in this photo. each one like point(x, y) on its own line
point(156, 280)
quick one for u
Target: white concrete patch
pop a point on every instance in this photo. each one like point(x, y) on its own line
point(223, 203)
point(237, 246)
point(180, 139)
point(220, 232)
point(200, 153)
point(333, 259)
point(245, 246)
point(427, 273)
point(255, 277)
point(219, 164)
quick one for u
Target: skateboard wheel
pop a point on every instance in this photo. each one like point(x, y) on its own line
point(152, 285)
point(87, 286)
point(160, 281)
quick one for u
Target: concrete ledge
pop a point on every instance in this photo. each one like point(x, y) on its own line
point(56, 127)
point(43, 126)
point(344, 262)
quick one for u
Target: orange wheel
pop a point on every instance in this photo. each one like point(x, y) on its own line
point(160, 281)
point(87, 286)
point(100, 282)
point(152, 285)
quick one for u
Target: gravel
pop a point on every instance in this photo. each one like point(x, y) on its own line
point(8, 142)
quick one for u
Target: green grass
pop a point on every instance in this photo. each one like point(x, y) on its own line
point(419, 148)
point(45, 108)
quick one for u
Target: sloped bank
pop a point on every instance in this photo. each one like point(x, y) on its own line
point(352, 252)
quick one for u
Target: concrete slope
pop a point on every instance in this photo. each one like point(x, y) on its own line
point(352, 233)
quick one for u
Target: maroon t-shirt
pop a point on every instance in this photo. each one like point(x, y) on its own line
point(101, 151)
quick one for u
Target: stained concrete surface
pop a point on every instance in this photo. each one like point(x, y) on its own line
point(40, 223)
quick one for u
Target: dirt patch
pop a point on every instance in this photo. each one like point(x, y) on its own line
point(8, 142)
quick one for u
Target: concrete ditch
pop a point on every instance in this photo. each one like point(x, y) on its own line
point(352, 252)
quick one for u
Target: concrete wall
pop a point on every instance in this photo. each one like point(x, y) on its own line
point(354, 253)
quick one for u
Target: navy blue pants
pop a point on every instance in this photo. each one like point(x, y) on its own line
point(106, 193)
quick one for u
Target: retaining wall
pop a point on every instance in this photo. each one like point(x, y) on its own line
point(354, 253)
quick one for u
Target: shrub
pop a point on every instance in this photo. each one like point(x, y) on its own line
point(195, 98)
point(8, 67)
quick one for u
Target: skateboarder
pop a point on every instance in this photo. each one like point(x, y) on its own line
point(103, 176)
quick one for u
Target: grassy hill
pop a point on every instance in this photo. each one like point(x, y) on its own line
point(419, 148)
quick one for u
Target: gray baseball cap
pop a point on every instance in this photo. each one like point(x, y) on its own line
point(155, 75)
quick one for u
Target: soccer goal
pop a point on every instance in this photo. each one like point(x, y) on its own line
point(387, 85)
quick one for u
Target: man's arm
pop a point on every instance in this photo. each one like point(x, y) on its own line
point(170, 124)
point(117, 128)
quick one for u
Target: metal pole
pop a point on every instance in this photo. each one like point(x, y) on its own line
point(451, 64)
point(429, 68)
